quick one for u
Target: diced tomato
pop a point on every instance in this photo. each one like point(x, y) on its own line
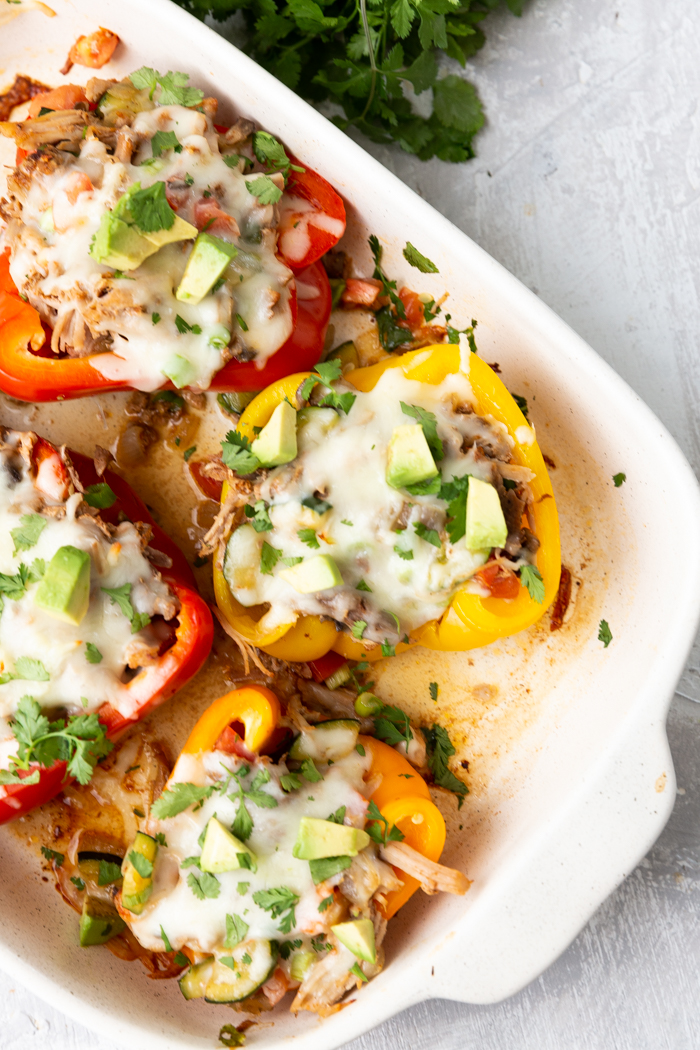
point(209, 214)
point(209, 486)
point(500, 581)
point(326, 665)
point(361, 292)
point(76, 183)
point(64, 97)
point(51, 474)
point(413, 306)
point(93, 51)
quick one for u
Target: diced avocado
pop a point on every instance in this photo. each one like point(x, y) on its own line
point(313, 425)
point(99, 922)
point(64, 591)
point(119, 245)
point(137, 888)
point(208, 260)
point(314, 574)
point(358, 937)
point(409, 458)
point(179, 231)
point(180, 371)
point(323, 838)
point(302, 961)
point(333, 739)
point(222, 851)
point(193, 984)
point(277, 441)
point(486, 525)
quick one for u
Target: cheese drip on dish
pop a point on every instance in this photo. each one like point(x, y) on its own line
point(78, 667)
point(55, 213)
point(393, 549)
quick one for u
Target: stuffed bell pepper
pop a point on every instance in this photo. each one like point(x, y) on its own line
point(148, 246)
point(269, 875)
point(407, 502)
point(100, 621)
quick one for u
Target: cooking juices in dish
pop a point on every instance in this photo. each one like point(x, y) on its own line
point(404, 502)
point(271, 876)
point(100, 620)
point(158, 246)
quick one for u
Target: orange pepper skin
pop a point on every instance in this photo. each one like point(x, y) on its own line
point(470, 620)
point(255, 706)
point(403, 798)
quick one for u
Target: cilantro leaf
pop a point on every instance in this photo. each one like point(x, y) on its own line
point(429, 487)
point(269, 556)
point(184, 326)
point(455, 493)
point(36, 570)
point(439, 749)
point(280, 902)
point(236, 454)
point(109, 872)
point(162, 141)
point(362, 586)
point(604, 633)
point(173, 89)
point(53, 855)
point(236, 931)
point(204, 885)
point(121, 596)
point(100, 496)
point(433, 689)
point(28, 531)
point(264, 189)
point(81, 741)
point(242, 826)
point(147, 208)
point(338, 817)
point(308, 536)
point(270, 152)
point(379, 828)
point(287, 947)
point(619, 479)
point(429, 535)
point(314, 503)
point(428, 421)
point(142, 864)
point(290, 782)
point(31, 670)
point(391, 335)
point(521, 402)
point(179, 798)
point(326, 903)
point(258, 516)
point(417, 259)
point(309, 771)
point(92, 654)
point(531, 577)
point(327, 867)
point(325, 372)
point(393, 726)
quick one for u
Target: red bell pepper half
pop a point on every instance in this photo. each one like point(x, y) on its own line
point(154, 684)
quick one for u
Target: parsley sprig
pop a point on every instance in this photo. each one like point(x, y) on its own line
point(81, 742)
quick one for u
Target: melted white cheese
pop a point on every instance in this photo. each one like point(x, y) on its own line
point(349, 465)
point(257, 288)
point(202, 923)
point(28, 631)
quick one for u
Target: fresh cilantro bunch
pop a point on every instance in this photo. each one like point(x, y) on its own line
point(361, 56)
point(81, 741)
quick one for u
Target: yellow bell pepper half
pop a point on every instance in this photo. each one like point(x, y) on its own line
point(255, 706)
point(470, 621)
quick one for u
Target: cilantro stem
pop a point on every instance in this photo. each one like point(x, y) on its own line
point(372, 58)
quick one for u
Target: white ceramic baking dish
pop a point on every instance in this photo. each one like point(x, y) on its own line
point(580, 792)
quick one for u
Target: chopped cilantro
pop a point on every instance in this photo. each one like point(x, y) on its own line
point(379, 828)
point(417, 259)
point(531, 577)
point(314, 503)
point(428, 422)
point(619, 479)
point(162, 141)
point(327, 867)
point(429, 535)
point(258, 516)
point(604, 633)
point(362, 586)
point(149, 208)
point(179, 798)
point(236, 931)
point(308, 536)
point(155, 318)
point(280, 902)
point(236, 454)
point(173, 87)
point(53, 855)
point(28, 531)
point(393, 726)
point(433, 690)
point(439, 749)
point(183, 326)
point(110, 872)
point(269, 556)
point(264, 189)
point(100, 496)
point(204, 885)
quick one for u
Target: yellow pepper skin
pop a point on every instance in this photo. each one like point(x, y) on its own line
point(470, 621)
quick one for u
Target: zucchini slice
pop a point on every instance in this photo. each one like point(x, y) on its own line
point(252, 962)
point(193, 983)
point(332, 740)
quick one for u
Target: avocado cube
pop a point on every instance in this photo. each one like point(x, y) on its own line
point(99, 922)
point(358, 937)
point(222, 851)
point(409, 458)
point(323, 838)
point(312, 575)
point(277, 441)
point(64, 591)
point(179, 231)
point(138, 887)
point(119, 245)
point(486, 524)
point(208, 259)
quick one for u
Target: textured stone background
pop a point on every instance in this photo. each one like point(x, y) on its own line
point(587, 187)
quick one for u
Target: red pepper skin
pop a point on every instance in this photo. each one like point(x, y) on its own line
point(301, 351)
point(155, 684)
point(43, 376)
point(312, 187)
point(326, 665)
